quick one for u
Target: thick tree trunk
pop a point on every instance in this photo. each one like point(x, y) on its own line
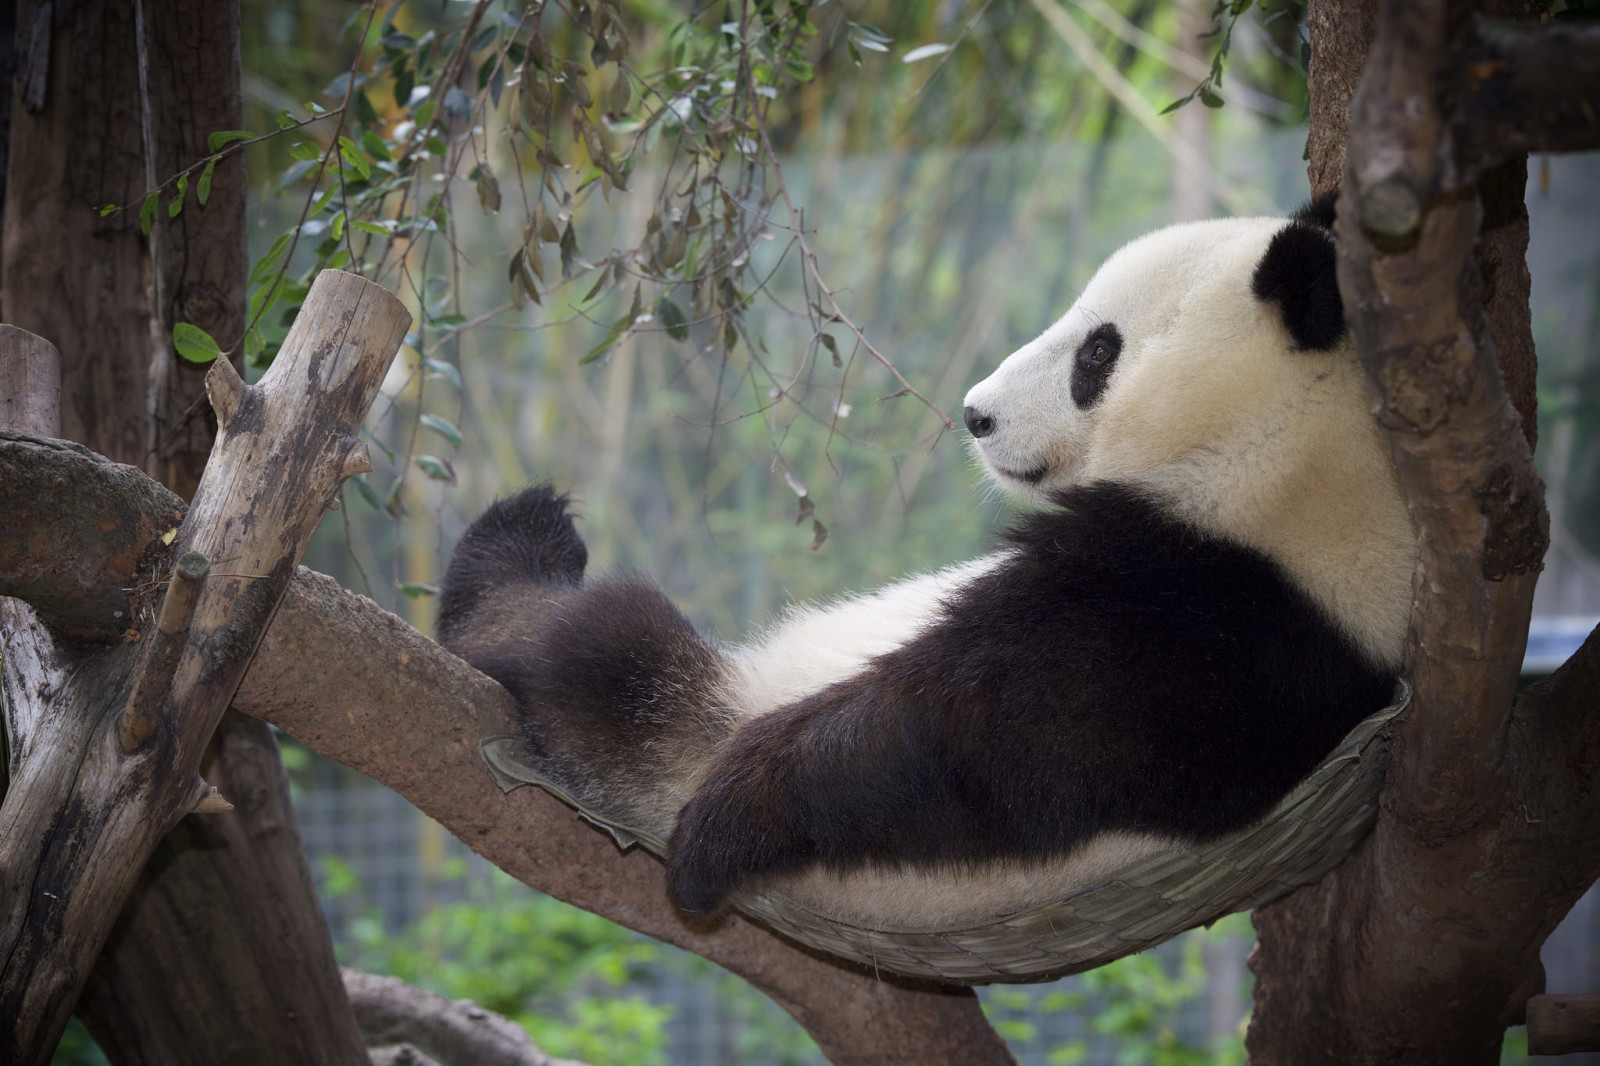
point(1424, 946)
point(223, 947)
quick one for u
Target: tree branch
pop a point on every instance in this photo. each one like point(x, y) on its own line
point(453, 1032)
point(79, 583)
point(401, 709)
point(1528, 88)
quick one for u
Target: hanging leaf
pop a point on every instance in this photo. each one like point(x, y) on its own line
point(147, 211)
point(176, 205)
point(819, 533)
point(436, 468)
point(488, 189)
point(194, 343)
point(222, 138)
point(443, 427)
point(672, 319)
point(202, 188)
point(927, 51)
point(354, 158)
point(829, 343)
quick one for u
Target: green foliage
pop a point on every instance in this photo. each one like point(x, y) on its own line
point(1133, 1004)
point(561, 973)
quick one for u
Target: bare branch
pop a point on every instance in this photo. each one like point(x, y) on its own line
point(453, 1032)
point(1528, 88)
point(78, 582)
point(1560, 1025)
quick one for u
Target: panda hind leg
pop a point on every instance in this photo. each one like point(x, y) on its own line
point(621, 703)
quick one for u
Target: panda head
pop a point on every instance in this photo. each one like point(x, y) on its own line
point(1209, 365)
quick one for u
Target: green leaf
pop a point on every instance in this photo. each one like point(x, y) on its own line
point(202, 188)
point(221, 138)
point(366, 114)
point(443, 427)
point(436, 468)
point(373, 145)
point(351, 153)
point(829, 343)
point(305, 151)
point(442, 369)
point(672, 319)
point(618, 328)
point(175, 206)
point(194, 343)
point(267, 265)
point(367, 493)
point(147, 211)
point(413, 592)
point(1209, 98)
point(374, 228)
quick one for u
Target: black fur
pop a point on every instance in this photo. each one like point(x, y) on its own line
point(1092, 366)
point(528, 537)
point(1299, 272)
point(1122, 671)
point(602, 673)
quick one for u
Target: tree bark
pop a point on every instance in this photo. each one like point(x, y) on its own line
point(1424, 946)
point(131, 723)
point(94, 128)
point(453, 1032)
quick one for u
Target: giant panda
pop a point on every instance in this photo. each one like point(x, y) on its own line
point(1214, 589)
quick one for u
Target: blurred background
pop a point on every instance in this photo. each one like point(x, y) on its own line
point(956, 169)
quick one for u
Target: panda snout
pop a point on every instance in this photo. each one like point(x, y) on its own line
point(978, 423)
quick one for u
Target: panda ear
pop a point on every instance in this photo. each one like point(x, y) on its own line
point(1299, 274)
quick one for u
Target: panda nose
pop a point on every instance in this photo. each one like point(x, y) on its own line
point(978, 424)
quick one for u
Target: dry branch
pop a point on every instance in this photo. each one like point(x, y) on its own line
point(1561, 1025)
point(82, 815)
point(1528, 88)
point(452, 1032)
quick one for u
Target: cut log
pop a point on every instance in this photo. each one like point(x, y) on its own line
point(85, 812)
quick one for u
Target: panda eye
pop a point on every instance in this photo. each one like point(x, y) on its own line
point(1094, 364)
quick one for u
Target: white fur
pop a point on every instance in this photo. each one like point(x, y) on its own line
point(1209, 406)
point(923, 900)
point(815, 646)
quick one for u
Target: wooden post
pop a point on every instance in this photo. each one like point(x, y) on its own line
point(30, 384)
point(85, 813)
point(1561, 1025)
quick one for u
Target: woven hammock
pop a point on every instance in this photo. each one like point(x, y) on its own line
point(1308, 833)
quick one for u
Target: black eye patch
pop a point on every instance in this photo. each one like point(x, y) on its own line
point(1091, 367)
